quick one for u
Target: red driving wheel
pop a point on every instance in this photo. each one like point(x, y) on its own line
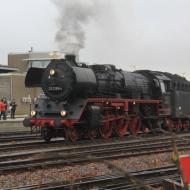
point(121, 128)
point(105, 130)
point(72, 134)
point(135, 125)
point(92, 133)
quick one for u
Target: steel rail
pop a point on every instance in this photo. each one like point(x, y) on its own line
point(106, 148)
point(60, 158)
point(19, 146)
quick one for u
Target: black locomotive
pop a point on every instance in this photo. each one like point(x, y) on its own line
point(86, 101)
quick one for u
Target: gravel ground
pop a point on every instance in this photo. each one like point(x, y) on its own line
point(71, 173)
point(55, 174)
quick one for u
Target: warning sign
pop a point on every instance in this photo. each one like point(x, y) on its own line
point(185, 168)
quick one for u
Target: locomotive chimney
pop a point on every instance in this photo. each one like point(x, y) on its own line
point(71, 57)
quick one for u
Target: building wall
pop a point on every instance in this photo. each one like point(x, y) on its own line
point(23, 96)
point(17, 60)
point(5, 87)
point(12, 87)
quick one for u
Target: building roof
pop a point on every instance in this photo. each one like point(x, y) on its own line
point(12, 74)
point(6, 69)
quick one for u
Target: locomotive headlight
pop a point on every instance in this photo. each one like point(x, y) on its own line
point(63, 113)
point(52, 72)
point(33, 113)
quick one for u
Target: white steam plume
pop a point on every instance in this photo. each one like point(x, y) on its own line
point(73, 16)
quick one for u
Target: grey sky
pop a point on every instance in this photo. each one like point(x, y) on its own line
point(150, 34)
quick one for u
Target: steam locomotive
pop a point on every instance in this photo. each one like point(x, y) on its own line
point(89, 101)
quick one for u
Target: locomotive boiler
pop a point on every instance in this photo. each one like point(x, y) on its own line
point(89, 101)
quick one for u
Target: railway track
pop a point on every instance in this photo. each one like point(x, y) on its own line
point(18, 137)
point(14, 133)
point(153, 177)
point(38, 143)
point(25, 140)
point(70, 155)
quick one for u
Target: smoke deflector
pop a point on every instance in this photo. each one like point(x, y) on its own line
point(34, 77)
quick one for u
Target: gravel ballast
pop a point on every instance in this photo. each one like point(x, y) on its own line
point(75, 172)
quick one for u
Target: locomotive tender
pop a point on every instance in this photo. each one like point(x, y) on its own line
point(86, 101)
